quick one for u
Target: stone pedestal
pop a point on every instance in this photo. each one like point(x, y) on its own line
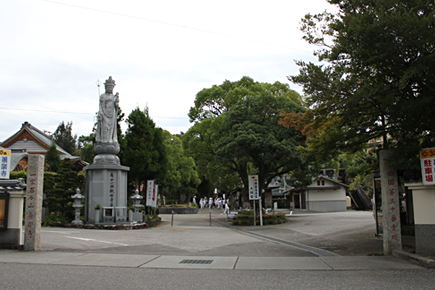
point(106, 185)
point(424, 217)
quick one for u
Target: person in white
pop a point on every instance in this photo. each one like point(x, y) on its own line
point(201, 203)
point(227, 209)
point(194, 199)
point(210, 203)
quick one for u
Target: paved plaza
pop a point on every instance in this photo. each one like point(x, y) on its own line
point(179, 255)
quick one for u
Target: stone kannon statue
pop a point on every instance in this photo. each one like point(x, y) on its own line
point(106, 136)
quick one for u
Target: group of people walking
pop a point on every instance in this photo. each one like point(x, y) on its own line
point(217, 203)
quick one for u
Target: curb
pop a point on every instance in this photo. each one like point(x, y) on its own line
point(416, 259)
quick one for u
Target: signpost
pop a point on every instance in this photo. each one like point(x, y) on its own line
point(5, 163)
point(254, 195)
point(150, 193)
point(427, 158)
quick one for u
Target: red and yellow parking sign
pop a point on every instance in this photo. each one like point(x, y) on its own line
point(427, 158)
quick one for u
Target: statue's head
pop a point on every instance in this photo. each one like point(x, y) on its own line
point(109, 85)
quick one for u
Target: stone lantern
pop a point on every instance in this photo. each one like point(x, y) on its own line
point(77, 205)
point(137, 216)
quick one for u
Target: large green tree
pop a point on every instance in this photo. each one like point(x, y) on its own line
point(253, 136)
point(236, 131)
point(375, 79)
point(144, 150)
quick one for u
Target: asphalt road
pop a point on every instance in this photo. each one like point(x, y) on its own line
point(27, 276)
point(348, 233)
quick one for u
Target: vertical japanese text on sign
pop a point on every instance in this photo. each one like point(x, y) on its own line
point(5, 163)
point(427, 158)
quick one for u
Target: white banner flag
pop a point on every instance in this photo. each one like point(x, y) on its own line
point(150, 192)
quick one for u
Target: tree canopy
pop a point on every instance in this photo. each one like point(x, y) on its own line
point(236, 131)
point(375, 79)
point(144, 150)
point(181, 177)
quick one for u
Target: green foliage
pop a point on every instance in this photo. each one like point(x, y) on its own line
point(236, 132)
point(376, 79)
point(247, 218)
point(359, 169)
point(18, 174)
point(182, 176)
point(144, 150)
point(85, 145)
point(58, 200)
point(252, 134)
point(53, 218)
point(98, 207)
point(63, 137)
point(52, 158)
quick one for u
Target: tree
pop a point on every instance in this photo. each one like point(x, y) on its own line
point(63, 137)
point(52, 158)
point(182, 177)
point(237, 132)
point(200, 142)
point(85, 144)
point(253, 135)
point(376, 79)
point(144, 151)
point(59, 199)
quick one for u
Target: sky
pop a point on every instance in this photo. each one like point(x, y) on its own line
point(160, 54)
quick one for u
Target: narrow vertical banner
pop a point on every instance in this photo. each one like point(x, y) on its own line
point(5, 163)
point(150, 192)
point(33, 209)
point(156, 188)
point(253, 187)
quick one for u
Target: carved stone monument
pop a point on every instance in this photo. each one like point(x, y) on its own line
point(35, 181)
point(106, 178)
point(392, 236)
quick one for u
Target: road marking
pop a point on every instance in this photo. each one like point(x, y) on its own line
point(316, 251)
point(98, 241)
point(64, 233)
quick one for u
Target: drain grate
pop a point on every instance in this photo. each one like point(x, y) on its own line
point(203, 262)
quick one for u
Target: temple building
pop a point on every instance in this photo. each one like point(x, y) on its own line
point(31, 140)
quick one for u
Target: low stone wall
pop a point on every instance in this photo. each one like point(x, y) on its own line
point(178, 210)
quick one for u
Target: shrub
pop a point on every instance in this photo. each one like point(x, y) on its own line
point(53, 218)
